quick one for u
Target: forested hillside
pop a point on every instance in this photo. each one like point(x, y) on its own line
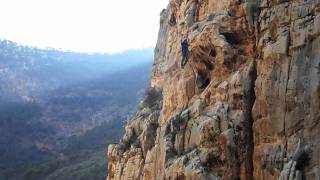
point(59, 110)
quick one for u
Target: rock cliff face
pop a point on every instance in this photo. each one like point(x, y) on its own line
point(247, 104)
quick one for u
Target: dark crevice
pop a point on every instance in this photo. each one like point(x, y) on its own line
point(285, 108)
point(205, 83)
point(172, 21)
point(249, 100)
point(229, 62)
point(209, 65)
point(231, 38)
point(203, 79)
point(213, 53)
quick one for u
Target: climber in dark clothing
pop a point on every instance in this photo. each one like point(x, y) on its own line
point(185, 52)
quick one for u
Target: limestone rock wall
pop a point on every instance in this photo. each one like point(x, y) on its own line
point(247, 104)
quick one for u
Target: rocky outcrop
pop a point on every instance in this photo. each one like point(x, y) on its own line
point(245, 107)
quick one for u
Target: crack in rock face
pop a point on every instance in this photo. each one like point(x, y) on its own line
point(245, 106)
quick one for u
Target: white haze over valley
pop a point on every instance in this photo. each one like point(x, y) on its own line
point(82, 25)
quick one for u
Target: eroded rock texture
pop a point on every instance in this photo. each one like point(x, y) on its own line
point(246, 106)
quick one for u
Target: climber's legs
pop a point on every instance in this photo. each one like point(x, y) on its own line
point(184, 59)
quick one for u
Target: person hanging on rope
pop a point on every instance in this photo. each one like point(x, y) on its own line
point(185, 52)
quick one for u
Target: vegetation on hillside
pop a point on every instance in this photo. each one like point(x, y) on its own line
point(60, 110)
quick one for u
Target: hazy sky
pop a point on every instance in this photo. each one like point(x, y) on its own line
point(82, 25)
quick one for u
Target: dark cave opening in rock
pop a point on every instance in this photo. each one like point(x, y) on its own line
point(206, 56)
point(202, 80)
point(229, 62)
point(231, 38)
point(172, 21)
point(213, 53)
point(206, 82)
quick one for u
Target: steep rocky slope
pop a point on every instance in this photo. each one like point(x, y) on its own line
point(245, 107)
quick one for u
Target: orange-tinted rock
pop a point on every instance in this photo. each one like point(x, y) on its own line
point(246, 106)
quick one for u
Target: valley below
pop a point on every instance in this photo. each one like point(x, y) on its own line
point(60, 110)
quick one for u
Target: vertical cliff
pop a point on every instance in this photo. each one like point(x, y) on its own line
point(247, 104)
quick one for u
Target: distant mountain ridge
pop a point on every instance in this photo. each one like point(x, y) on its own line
point(56, 67)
